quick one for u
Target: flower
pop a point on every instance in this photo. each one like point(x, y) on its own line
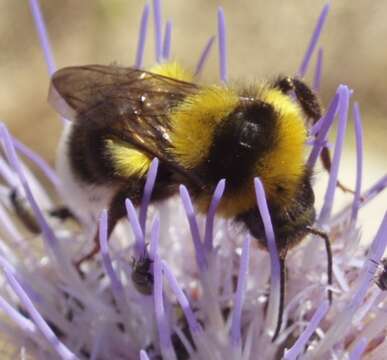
point(214, 298)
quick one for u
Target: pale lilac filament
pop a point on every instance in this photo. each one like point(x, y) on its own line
point(142, 37)
point(39, 161)
point(235, 332)
point(181, 298)
point(15, 162)
point(143, 355)
point(302, 340)
point(222, 41)
point(161, 316)
point(52, 339)
point(313, 41)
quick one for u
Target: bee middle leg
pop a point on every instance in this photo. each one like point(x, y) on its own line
point(311, 107)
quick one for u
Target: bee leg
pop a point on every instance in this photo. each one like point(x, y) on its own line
point(116, 212)
point(325, 237)
point(282, 297)
point(304, 95)
point(310, 105)
point(325, 157)
point(62, 213)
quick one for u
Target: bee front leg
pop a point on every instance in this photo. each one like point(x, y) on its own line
point(311, 107)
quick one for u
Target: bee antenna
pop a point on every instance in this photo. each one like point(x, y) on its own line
point(281, 299)
point(328, 248)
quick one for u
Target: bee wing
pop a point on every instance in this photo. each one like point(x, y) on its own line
point(135, 102)
point(74, 90)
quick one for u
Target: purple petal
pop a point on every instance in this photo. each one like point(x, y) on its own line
point(208, 235)
point(155, 238)
point(199, 251)
point(332, 183)
point(204, 56)
point(318, 71)
point(158, 29)
point(324, 125)
point(142, 37)
point(52, 339)
point(375, 190)
point(222, 40)
point(235, 332)
point(25, 324)
point(182, 299)
point(313, 41)
point(302, 340)
point(117, 288)
point(148, 189)
point(136, 227)
point(43, 35)
point(359, 161)
point(274, 299)
point(167, 40)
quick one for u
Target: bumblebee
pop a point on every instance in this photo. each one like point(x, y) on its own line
point(142, 275)
point(381, 274)
point(122, 118)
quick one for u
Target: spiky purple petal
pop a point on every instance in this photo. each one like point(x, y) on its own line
point(318, 71)
point(139, 62)
point(274, 299)
point(148, 190)
point(199, 251)
point(332, 184)
point(359, 161)
point(158, 24)
point(313, 41)
point(167, 40)
point(208, 234)
point(235, 332)
point(222, 42)
point(204, 56)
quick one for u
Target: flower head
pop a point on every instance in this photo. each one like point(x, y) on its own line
point(215, 297)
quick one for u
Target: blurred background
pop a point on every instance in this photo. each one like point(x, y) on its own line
point(264, 39)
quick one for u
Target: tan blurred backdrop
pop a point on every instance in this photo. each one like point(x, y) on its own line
point(264, 39)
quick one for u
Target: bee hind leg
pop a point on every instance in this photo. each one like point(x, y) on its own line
point(116, 212)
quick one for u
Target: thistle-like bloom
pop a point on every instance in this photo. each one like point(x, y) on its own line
point(214, 297)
